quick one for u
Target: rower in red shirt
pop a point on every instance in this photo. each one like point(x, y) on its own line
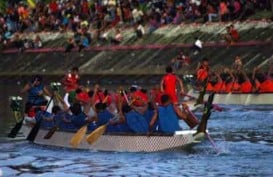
point(202, 72)
point(138, 96)
point(168, 85)
point(71, 80)
point(156, 95)
point(266, 86)
point(246, 86)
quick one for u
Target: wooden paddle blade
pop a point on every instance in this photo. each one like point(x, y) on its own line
point(77, 138)
point(95, 135)
point(51, 132)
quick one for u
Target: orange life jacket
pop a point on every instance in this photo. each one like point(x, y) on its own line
point(236, 87)
point(210, 87)
point(246, 87)
point(266, 86)
point(228, 87)
point(218, 87)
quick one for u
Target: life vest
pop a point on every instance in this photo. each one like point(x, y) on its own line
point(167, 119)
point(33, 95)
point(236, 87)
point(266, 86)
point(71, 82)
point(218, 87)
point(209, 87)
point(228, 87)
point(136, 122)
point(246, 87)
point(202, 74)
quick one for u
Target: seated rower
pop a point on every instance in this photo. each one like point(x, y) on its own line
point(79, 118)
point(168, 116)
point(135, 120)
point(246, 86)
point(115, 123)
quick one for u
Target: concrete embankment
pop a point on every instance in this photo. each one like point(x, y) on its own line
point(146, 56)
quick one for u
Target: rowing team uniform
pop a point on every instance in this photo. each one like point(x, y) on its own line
point(245, 87)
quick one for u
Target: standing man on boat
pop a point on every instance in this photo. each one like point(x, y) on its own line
point(169, 83)
point(71, 83)
point(202, 72)
point(36, 92)
point(36, 96)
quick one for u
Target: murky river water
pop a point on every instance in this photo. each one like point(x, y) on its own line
point(243, 136)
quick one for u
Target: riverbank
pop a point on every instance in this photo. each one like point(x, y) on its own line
point(146, 56)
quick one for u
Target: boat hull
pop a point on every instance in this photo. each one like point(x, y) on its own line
point(239, 98)
point(119, 142)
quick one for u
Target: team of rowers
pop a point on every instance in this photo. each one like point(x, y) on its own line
point(226, 81)
point(135, 110)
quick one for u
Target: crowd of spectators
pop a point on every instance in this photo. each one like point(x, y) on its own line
point(81, 16)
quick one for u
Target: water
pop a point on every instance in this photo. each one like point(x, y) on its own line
point(243, 138)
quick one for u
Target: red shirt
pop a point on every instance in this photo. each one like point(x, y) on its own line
point(170, 81)
point(234, 34)
point(202, 74)
point(71, 82)
point(53, 7)
point(156, 95)
point(139, 98)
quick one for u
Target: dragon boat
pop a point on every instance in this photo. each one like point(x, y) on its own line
point(120, 142)
point(238, 98)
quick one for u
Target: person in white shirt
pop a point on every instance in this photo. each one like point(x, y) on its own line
point(197, 47)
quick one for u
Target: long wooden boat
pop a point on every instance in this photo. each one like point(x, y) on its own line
point(238, 98)
point(121, 142)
